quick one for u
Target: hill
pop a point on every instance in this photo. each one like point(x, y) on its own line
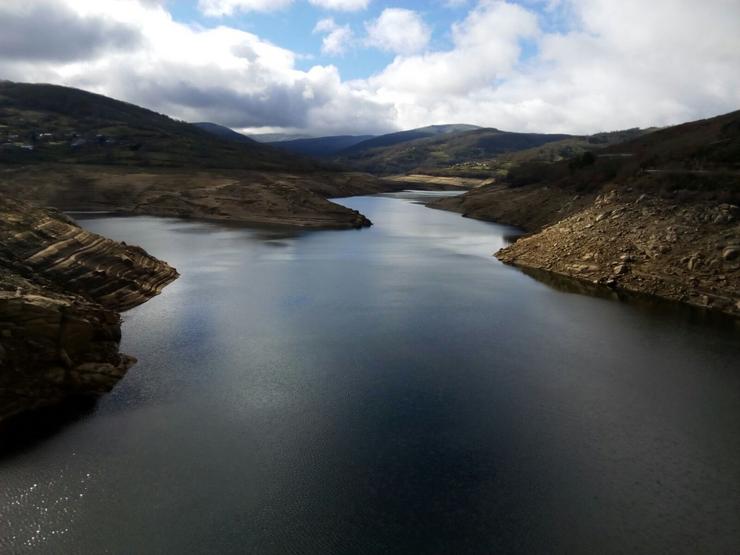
point(656, 214)
point(278, 137)
point(321, 147)
point(401, 137)
point(478, 163)
point(73, 149)
point(224, 132)
point(422, 151)
point(50, 123)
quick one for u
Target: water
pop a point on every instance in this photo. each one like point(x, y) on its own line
point(387, 390)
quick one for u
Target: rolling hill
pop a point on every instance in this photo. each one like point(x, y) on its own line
point(401, 137)
point(321, 147)
point(50, 123)
point(439, 147)
point(73, 149)
point(224, 132)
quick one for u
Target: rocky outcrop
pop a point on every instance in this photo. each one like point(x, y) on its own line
point(296, 200)
point(61, 290)
point(530, 208)
point(657, 214)
point(646, 244)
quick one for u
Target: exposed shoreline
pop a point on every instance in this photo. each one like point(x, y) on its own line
point(628, 241)
point(62, 290)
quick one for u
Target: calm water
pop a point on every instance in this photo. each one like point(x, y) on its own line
point(388, 390)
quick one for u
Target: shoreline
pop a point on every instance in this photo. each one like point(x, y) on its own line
point(627, 242)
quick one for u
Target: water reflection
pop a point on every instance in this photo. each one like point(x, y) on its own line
point(393, 389)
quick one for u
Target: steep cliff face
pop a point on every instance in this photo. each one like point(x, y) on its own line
point(60, 292)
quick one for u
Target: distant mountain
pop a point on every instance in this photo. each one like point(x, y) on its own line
point(399, 137)
point(320, 147)
point(481, 163)
point(50, 123)
point(437, 147)
point(276, 137)
point(223, 132)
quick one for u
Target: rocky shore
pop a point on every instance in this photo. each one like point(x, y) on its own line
point(289, 199)
point(657, 215)
point(642, 244)
point(61, 292)
point(622, 238)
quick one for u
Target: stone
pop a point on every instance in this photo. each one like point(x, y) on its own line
point(695, 261)
point(56, 313)
point(731, 252)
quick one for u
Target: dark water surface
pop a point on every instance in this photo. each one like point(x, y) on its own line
point(388, 390)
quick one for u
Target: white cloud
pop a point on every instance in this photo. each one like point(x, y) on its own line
point(337, 39)
point(216, 74)
point(341, 5)
point(620, 64)
point(398, 30)
point(217, 8)
point(611, 65)
point(486, 46)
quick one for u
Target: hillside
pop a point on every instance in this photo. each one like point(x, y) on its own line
point(223, 132)
point(409, 135)
point(321, 147)
point(421, 154)
point(656, 214)
point(49, 123)
point(72, 149)
point(478, 163)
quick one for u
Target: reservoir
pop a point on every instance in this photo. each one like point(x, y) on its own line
point(394, 389)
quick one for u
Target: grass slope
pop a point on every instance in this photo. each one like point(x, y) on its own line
point(439, 151)
point(50, 123)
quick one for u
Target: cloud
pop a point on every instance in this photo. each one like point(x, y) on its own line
point(217, 8)
point(486, 45)
point(537, 65)
point(194, 73)
point(398, 30)
point(66, 35)
point(615, 65)
point(337, 39)
point(341, 5)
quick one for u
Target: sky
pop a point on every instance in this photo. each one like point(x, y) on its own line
point(325, 67)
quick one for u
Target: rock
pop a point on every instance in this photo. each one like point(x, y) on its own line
point(620, 269)
point(695, 261)
point(57, 313)
point(731, 252)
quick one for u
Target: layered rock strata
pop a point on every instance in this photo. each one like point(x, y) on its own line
point(61, 291)
point(296, 200)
